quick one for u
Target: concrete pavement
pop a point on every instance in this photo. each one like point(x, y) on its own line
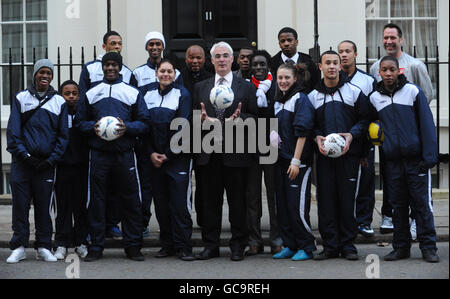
point(441, 216)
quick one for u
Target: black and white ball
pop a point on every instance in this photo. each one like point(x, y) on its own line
point(334, 145)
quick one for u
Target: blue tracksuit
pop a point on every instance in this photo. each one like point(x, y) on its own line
point(171, 184)
point(44, 136)
point(113, 164)
point(342, 109)
point(146, 74)
point(295, 116)
point(365, 202)
point(410, 151)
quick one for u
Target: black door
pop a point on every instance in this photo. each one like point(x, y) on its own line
point(205, 22)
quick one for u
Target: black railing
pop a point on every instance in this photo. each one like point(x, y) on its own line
point(59, 65)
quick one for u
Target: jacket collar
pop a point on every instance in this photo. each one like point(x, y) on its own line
point(321, 87)
point(401, 82)
point(50, 92)
point(165, 91)
point(117, 81)
point(283, 98)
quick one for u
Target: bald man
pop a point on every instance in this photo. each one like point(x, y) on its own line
point(195, 67)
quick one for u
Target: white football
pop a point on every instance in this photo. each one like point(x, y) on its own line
point(108, 128)
point(221, 97)
point(334, 145)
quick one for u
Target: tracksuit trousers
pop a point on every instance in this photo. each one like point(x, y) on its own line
point(29, 185)
point(172, 188)
point(293, 200)
point(410, 187)
point(144, 167)
point(365, 202)
point(337, 187)
point(118, 169)
point(71, 197)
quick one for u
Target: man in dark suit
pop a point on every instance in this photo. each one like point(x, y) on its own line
point(221, 170)
point(288, 41)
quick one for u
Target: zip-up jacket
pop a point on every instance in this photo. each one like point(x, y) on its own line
point(364, 81)
point(116, 99)
point(341, 109)
point(295, 119)
point(146, 74)
point(407, 122)
point(164, 106)
point(92, 75)
point(77, 151)
point(45, 134)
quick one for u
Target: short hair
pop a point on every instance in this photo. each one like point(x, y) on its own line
point(247, 48)
point(329, 52)
point(221, 44)
point(288, 30)
point(289, 66)
point(263, 53)
point(196, 46)
point(108, 35)
point(165, 60)
point(390, 58)
point(394, 26)
point(68, 82)
point(350, 42)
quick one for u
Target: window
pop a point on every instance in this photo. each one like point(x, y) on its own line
point(23, 25)
point(418, 20)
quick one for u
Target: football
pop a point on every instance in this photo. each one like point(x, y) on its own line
point(108, 128)
point(334, 145)
point(221, 97)
point(376, 135)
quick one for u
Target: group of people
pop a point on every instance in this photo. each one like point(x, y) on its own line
point(58, 153)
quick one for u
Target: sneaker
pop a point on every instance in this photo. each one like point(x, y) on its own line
point(398, 254)
point(366, 231)
point(60, 253)
point(116, 233)
point(284, 254)
point(302, 255)
point(45, 255)
point(146, 233)
point(430, 255)
point(325, 255)
point(386, 226)
point(134, 253)
point(17, 255)
point(413, 230)
point(82, 251)
point(350, 256)
point(93, 256)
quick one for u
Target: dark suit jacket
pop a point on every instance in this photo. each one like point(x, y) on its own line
point(245, 93)
point(304, 58)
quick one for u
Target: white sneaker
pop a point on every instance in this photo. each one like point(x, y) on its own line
point(386, 226)
point(413, 230)
point(60, 253)
point(82, 251)
point(17, 255)
point(46, 255)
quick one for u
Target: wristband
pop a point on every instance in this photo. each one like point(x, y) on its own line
point(296, 162)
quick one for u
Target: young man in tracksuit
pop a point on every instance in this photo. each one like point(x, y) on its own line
point(341, 108)
point(410, 150)
point(113, 163)
point(365, 202)
point(37, 137)
point(92, 75)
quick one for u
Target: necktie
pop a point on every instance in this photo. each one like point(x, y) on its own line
point(289, 61)
point(221, 112)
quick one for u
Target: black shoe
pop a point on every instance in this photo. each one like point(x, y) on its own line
point(430, 255)
point(186, 256)
point(398, 254)
point(164, 252)
point(207, 254)
point(134, 253)
point(325, 255)
point(237, 255)
point(254, 250)
point(350, 256)
point(93, 256)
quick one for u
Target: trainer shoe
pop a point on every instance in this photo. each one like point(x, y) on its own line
point(60, 253)
point(17, 255)
point(325, 255)
point(146, 233)
point(82, 251)
point(430, 255)
point(93, 256)
point(398, 254)
point(114, 233)
point(386, 226)
point(366, 231)
point(284, 254)
point(413, 230)
point(302, 255)
point(350, 256)
point(134, 253)
point(45, 255)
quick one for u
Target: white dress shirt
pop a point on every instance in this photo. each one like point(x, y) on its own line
point(228, 79)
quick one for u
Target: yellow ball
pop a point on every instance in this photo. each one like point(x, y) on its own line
point(376, 134)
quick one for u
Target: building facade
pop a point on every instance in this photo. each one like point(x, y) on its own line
point(47, 25)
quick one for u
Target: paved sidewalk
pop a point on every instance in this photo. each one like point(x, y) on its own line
point(441, 217)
